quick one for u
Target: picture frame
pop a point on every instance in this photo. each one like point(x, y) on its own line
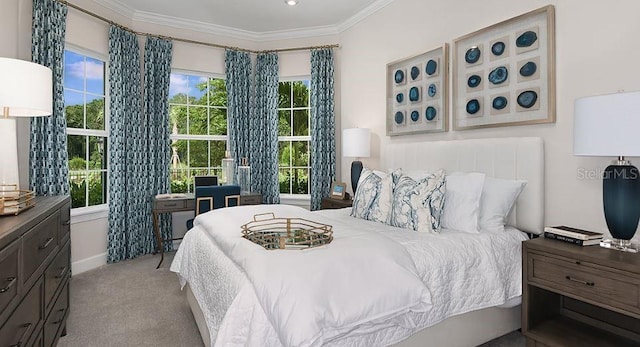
point(338, 190)
point(504, 74)
point(418, 93)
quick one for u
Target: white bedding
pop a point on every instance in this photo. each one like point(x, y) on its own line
point(463, 272)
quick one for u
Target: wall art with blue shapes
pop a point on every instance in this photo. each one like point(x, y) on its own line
point(505, 74)
point(418, 93)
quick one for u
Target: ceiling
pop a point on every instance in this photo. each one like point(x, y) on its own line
point(251, 16)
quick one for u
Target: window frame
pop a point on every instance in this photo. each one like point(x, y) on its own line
point(86, 213)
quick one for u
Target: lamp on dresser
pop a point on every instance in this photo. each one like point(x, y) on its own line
point(356, 143)
point(26, 90)
point(607, 126)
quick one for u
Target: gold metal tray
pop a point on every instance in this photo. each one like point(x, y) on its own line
point(286, 233)
point(13, 201)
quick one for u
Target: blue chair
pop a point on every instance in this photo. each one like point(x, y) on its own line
point(212, 197)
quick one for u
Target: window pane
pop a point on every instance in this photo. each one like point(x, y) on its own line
point(78, 187)
point(300, 181)
point(284, 177)
point(301, 123)
point(74, 109)
point(179, 154)
point(218, 118)
point(197, 90)
point(300, 153)
point(284, 123)
point(77, 152)
point(94, 72)
point(217, 92)
point(95, 112)
point(198, 154)
point(180, 182)
point(97, 188)
point(178, 117)
point(284, 153)
point(284, 89)
point(217, 152)
point(97, 153)
point(178, 88)
point(300, 94)
point(198, 120)
point(73, 71)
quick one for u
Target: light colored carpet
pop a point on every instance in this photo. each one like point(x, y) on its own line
point(133, 304)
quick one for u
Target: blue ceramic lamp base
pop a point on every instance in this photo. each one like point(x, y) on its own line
point(620, 195)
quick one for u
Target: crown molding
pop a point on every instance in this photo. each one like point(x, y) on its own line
point(117, 6)
point(366, 12)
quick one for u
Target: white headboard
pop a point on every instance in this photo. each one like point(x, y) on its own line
point(512, 158)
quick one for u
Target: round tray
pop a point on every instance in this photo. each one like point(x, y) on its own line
point(286, 233)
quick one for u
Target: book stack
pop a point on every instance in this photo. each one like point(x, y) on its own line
point(573, 235)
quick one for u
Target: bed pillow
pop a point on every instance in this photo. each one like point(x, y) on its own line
point(417, 205)
point(498, 198)
point(380, 210)
point(462, 201)
point(369, 185)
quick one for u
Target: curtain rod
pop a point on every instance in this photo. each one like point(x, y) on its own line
point(190, 41)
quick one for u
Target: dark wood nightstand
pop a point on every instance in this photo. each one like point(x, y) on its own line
point(579, 296)
point(329, 203)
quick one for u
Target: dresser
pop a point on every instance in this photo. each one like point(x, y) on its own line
point(35, 267)
point(579, 296)
point(330, 203)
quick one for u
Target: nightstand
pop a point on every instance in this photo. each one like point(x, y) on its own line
point(329, 203)
point(579, 296)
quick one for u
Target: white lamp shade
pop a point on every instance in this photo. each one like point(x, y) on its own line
point(607, 125)
point(26, 88)
point(356, 142)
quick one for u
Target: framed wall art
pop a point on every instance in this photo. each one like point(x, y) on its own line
point(417, 93)
point(504, 74)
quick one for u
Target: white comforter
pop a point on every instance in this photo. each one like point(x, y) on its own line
point(341, 307)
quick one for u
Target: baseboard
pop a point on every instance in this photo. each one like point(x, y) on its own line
point(87, 264)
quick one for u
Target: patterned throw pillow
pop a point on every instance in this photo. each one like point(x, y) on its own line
point(417, 205)
point(368, 190)
point(383, 203)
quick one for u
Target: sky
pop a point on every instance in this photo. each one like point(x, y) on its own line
point(77, 70)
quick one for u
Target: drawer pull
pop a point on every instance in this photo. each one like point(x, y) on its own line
point(24, 335)
point(46, 244)
point(170, 205)
point(577, 262)
point(590, 284)
point(62, 273)
point(12, 281)
point(61, 317)
point(67, 223)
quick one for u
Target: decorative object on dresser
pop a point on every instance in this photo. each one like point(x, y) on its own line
point(616, 137)
point(418, 93)
point(329, 203)
point(338, 190)
point(244, 176)
point(25, 91)
point(356, 143)
point(505, 74)
point(579, 296)
point(35, 267)
point(573, 240)
point(228, 164)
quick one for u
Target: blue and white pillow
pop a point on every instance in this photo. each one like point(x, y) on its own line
point(383, 203)
point(369, 185)
point(417, 205)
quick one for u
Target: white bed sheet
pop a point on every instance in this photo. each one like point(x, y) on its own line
point(464, 272)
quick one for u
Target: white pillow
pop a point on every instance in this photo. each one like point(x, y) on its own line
point(382, 204)
point(367, 192)
point(418, 205)
point(462, 201)
point(498, 197)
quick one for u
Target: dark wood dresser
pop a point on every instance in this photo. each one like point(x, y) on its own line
point(579, 296)
point(330, 203)
point(35, 266)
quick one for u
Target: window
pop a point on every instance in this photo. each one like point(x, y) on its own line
point(198, 120)
point(85, 99)
point(294, 137)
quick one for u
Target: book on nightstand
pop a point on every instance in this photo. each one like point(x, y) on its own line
point(575, 233)
point(548, 235)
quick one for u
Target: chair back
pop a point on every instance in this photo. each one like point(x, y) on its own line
point(211, 197)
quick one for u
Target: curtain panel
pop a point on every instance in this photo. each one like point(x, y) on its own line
point(48, 159)
point(238, 83)
point(323, 145)
point(263, 137)
point(157, 74)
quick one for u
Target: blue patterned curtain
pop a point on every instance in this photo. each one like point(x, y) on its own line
point(157, 72)
point(238, 82)
point(130, 225)
point(48, 161)
point(264, 130)
point(323, 131)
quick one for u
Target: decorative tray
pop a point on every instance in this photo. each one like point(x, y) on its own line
point(14, 201)
point(286, 233)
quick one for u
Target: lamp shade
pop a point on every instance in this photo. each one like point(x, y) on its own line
point(356, 142)
point(26, 88)
point(607, 125)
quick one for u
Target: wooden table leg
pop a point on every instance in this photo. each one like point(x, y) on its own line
point(159, 244)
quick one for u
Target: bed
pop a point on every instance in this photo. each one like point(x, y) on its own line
point(471, 299)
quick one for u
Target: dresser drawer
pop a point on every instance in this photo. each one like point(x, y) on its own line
point(38, 243)
point(65, 223)
point(56, 274)
point(254, 199)
point(39, 340)
point(9, 278)
point(170, 204)
point(573, 277)
point(57, 316)
point(25, 319)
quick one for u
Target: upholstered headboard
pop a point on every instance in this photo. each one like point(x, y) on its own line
point(512, 158)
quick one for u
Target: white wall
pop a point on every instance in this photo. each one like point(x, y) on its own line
point(596, 53)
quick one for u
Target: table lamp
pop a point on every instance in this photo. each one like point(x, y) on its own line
point(356, 143)
point(25, 91)
point(607, 125)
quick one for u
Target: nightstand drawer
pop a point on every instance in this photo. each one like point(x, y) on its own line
point(583, 279)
